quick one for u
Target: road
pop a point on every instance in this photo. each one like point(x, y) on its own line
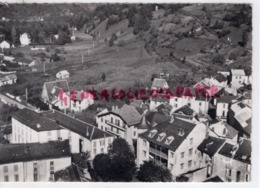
point(14, 102)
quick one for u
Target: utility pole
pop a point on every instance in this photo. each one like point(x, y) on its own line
point(82, 58)
point(44, 67)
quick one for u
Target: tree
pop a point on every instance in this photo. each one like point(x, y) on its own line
point(103, 76)
point(14, 35)
point(118, 165)
point(101, 165)
point(218, 59)
point(152, 172)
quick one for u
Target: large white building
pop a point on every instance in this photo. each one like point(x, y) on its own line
point(238, 78)
point(29, 127)
point(63, 74)
point(33, 161)
point(80, 100)
point(172, 144)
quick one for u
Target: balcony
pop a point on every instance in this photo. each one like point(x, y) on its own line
point(114, 125)
point(113, 132)
point(158, 153)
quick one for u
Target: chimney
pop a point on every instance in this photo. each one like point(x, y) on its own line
point(172, 119)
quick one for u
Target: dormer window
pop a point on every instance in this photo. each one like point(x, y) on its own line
point(152, 133)
point(161, 137)
point(169, 140)
point(181, 132)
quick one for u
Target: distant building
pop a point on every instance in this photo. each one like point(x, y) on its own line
point(63, 74)
point(159, 83)
point(25, 39)
point(30, 162)
point(219, 80)
point(24, 61)
point(4, 45)
point(238, 78)
point(55, 93)
point(173, 144)
point(7, 78)
point(9, 58)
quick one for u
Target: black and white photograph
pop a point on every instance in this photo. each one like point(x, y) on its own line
point(126, 92)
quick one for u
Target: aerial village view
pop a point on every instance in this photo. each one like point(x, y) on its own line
point(125, 92)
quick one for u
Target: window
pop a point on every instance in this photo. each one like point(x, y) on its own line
point(111, 119)
point(228, 171)
point(182, 154)
point(191, 141)
point(194, 163)
point(144, 143)
point(134, 133)
point(51, 167)
point(169, 140)
point(189, 163)
point(223, 105)
point(144, 153)
point(171, 166)
point(15, 168)
point(102, 150)
point(94, 144)
point(190, 152)
point(109, 140)
point(35, 172)
point(16, 177)
point(171, 154)
point(6, 178)
point(5, 169)
point(247, 177)
point(176, 105)
point(176, 99)
point(102, 120)
point(95, 151)
point(182, 165)
point(102, 142)
point(152, 133)
point(101, 127)
point(161, 137)
point(224, 131)
point(200, 103)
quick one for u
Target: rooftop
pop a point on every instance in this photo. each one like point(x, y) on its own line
point(238, 72)
point(82, 128)
point(169, 134)
point(12, 153)
point(220, 78)
point(242, 154)
point(211, 145)
point(35, 121)
point(186, 110)
point(62, 84)
point(159, 83)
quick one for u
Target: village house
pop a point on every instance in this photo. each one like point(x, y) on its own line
point(30, 127)
point(222, 103)
point(159, 83)
point(63, 74)
point(32, 162)
point(219, 80)
point(24, 61)
point(207, 149)
point(25, 39)
point(172, 144)
point(56, 93)
point(240, 117)
point(10, 59)
point(233, 161)
point(122, 122)
point(4, 45)
point(238, 77)
point(80, 101)
point(7, 78)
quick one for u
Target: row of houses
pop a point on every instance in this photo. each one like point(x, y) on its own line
point(25, 40)
point(7, 78)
